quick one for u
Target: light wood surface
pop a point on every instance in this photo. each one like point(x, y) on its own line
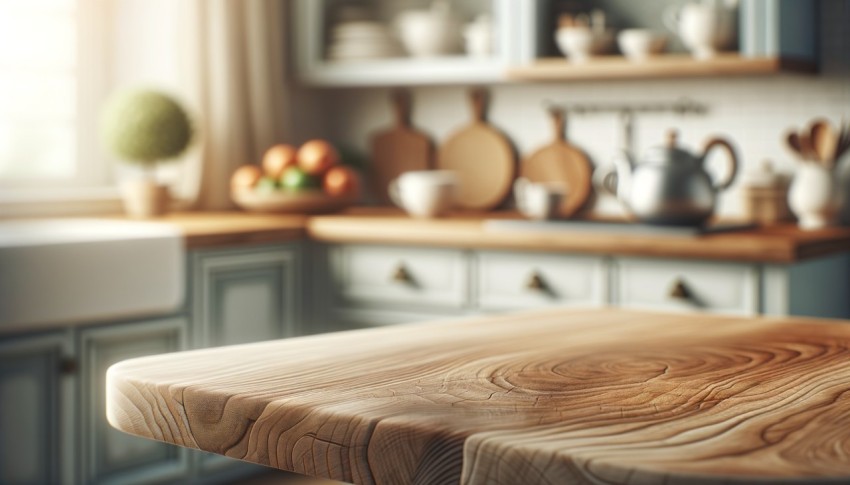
point(778, 244)
point(666, 66)
point(399, 149)
point(783, 243)
point(482, 158)
point(568, 397)
point(207, 229)
point(561, 162)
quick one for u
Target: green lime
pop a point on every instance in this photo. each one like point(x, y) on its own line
point(294, 178)
point(266, 185)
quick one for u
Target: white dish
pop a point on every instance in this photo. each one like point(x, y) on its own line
point(581, 43)
point(639, 44)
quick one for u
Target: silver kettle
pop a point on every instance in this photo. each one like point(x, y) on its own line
point(670, 186)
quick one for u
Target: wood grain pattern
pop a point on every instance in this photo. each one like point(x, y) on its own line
point(398, 149)
point(482, 158)
point(568, 397)
point(561, 162)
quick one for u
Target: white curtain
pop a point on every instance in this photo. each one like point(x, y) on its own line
point(233, 60)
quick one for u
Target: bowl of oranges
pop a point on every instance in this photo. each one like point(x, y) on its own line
point(306, 180)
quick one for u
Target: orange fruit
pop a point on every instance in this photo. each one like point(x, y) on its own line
point(317, 156)
point(277, 159)
point(341, 181)
point(246, 177)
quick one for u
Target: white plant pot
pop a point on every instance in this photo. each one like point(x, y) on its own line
point(144, 199)
point(812, 196)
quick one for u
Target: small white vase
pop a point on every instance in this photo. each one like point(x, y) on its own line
point(812, 196)
point(145, 198)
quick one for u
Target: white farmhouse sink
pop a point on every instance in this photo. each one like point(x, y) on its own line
point(75, 271)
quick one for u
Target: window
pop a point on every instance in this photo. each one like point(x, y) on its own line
point(49, 85)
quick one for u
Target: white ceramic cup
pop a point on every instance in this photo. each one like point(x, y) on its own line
point(638, 44)
point(704, 28)
point(425, 194)
point(580, 43)
point(539, 201)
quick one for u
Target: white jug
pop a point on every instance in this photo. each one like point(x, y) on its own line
point(705, 28)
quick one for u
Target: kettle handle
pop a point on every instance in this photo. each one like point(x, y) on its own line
point(733, 161)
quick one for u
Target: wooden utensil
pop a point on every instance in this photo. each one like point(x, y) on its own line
point(793, 140)
point(482, 157)
point(399, 149)
point(561, 162)
point(806, 147)
point(843, 141)
point(824, 141)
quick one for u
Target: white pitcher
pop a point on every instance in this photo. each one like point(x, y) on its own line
point(705, 28)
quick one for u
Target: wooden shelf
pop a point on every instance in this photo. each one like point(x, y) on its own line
point(668, 66)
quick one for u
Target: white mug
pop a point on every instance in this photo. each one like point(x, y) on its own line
point(704, 28)
point(427, 193)
point(540, 201)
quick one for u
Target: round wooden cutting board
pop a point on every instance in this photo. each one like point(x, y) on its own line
point(563, 163)
point(482, 158)
point(399, 149)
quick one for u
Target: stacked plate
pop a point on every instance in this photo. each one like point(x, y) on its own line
point(362, 40)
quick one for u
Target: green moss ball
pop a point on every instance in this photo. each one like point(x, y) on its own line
point(145, 126)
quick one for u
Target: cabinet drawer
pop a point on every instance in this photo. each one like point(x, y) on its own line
point(688, 286)
point(413, 277)
point(512, 280)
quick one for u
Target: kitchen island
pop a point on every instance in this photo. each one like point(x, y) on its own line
point(557, 396)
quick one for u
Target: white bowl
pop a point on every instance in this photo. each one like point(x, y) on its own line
point(639, 44)
point(580, 43)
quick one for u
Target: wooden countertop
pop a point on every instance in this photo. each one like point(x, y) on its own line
point(580, 396)
point(779, 244)
point(206, 229)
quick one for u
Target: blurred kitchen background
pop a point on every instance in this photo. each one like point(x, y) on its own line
point(253, 74)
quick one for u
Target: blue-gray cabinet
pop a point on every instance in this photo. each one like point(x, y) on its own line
point(110, 456)
point(36, 410)
point(53, 427)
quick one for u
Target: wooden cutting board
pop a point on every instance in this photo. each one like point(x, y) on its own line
point(399, 149)
point(482, 157)
point(563, 163)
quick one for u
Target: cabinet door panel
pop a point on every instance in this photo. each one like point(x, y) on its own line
point(244, 296)
point(110, 455)
point(512, 281)
point(688, 286)
point(400, 277)
point(31, 396)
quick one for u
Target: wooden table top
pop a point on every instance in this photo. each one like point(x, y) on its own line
point(557, 396)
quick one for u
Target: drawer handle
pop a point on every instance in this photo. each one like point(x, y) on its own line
point(680, 291)
point(402, 275)
point(536, 282)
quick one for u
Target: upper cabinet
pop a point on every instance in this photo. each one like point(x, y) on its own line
point(390, 42)
point(420, 42)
